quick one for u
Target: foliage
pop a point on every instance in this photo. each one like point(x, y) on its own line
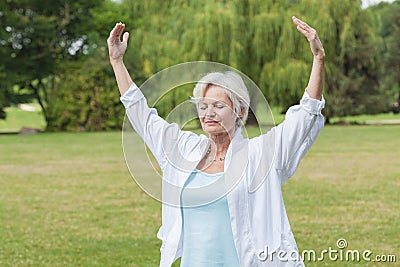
point(389, 27)
point(85, 102)
point(44, 45)
point(42, 37)
point(258, 38)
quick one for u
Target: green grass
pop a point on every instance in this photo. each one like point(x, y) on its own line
point(347, 187)
point(383, 118)
point(17, 118)
point(67, 199)
point(369, 119)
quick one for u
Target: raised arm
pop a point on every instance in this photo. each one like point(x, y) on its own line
point(303, 122)
point(165, 140)
point(116, 50)
point(315, 84)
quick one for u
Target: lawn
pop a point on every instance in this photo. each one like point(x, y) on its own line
point(67, 199)
point(347, 187)
point(18, 118)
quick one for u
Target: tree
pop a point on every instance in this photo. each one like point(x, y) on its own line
point(5, 84)
point(45, 44)
point(258, 38)
point(388, 21)
point(85, 102)
point(40, 37)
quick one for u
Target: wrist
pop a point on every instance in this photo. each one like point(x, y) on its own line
point(320, 56)
point(116, 61)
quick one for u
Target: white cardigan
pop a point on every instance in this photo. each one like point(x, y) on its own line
point(255, 169)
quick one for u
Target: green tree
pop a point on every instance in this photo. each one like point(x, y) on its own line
point(45, 45)
point(40, 36)
point(387, 16)
point(258, 38)
point(5, 85)
point(85, 102)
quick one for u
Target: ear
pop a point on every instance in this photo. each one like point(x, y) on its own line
point(241, 113)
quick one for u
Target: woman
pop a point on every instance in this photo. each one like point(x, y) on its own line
point(231, 222)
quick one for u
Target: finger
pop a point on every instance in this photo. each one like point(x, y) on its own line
point(302, 25)
point(304, 28)
point(299, 22)
point(125, 37)
point(303, 31)
point(117, 30)
point(114, 30)
point(310, 33)
point(113, 34)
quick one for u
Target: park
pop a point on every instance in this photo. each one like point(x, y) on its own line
point(67, 197)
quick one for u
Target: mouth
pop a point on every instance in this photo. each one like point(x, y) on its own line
point(211, 122)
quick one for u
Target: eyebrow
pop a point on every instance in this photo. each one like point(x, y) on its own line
point(201, 101)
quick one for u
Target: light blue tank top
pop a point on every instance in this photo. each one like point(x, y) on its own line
point(207, 233)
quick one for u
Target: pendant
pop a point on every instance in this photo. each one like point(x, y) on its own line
point(209, 159)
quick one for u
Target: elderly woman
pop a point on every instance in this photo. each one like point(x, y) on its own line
point(230, 223)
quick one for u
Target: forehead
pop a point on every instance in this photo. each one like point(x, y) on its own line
point(215, 93)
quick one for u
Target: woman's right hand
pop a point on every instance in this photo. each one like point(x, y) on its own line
point(116, 47)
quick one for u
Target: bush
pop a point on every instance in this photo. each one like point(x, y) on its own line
point(86, 98)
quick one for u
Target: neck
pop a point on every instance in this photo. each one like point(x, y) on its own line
point(220, 142)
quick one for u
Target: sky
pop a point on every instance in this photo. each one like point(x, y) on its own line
point(366, 3)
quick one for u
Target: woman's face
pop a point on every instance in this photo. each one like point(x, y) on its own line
point(215, 111)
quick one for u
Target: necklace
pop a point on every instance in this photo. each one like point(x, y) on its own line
point(211, 159)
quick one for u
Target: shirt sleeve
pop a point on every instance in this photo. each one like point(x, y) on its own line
point(296, 134)
point(159, 135)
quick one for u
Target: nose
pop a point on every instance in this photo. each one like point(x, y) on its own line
point(210, 112)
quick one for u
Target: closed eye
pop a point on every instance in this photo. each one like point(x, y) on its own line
point(217, 105)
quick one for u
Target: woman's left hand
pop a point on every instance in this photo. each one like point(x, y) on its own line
point(311, 34)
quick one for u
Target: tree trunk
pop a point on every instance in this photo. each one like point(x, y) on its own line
point(327, 120)
point(396, 110)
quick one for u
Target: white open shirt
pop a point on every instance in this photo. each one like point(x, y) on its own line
point(256, 169)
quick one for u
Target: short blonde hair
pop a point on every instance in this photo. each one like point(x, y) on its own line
point(234, 88)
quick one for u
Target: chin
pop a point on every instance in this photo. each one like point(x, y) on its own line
point(214, 130)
